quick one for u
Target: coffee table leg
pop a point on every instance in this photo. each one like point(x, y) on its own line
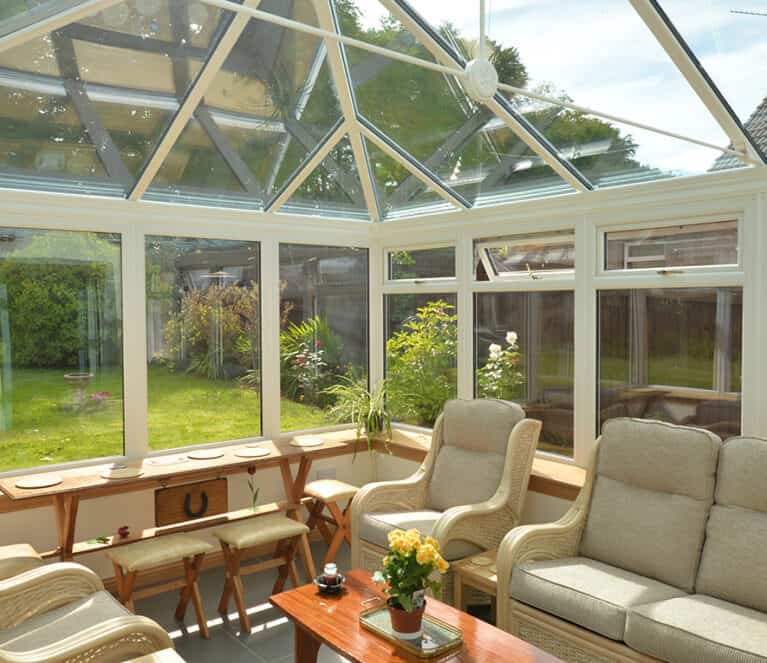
point(306, 647)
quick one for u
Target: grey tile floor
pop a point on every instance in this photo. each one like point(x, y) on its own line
point(271, 639)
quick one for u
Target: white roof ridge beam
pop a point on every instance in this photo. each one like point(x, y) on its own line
point(632, 123)
point(193, 98)
point(308, 167)
point(549, 158)
point(54, 22)
point(343, 85)
point(677, 50)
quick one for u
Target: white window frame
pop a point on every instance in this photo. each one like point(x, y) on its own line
point(516, 240)
point(735, 268)
point(418, 282)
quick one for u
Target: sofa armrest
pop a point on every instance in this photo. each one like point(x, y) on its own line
point(117, 639)
point(40, 590)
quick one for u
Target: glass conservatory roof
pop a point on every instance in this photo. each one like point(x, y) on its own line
point(364, 109)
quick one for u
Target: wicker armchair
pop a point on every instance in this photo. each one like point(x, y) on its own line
point(61, 614)
point(468, 493)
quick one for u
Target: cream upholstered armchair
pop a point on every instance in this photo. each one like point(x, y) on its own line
point(61, 614)
point(468, 493)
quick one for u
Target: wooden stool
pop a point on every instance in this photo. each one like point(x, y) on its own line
point(18, 558)
point(327, 493)
point(129, 560)
point(275, 528)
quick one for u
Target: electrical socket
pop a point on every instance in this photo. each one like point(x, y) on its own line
point(327, 473)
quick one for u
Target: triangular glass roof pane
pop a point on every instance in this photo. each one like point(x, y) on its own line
point(399, 192)
point(415, 107)
point(44, 145)
point(332, 189)
point(612, 154)
point(494, 165)
point(621, 70)
point(100, 64)
point(273, 100)
point(195, 172)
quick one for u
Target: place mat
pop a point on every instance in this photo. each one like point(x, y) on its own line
point(438, 637)
point(167, 460)
point(42, 481)
point(307, 442)
point(252, 452)
point(122, 472)
point(255, 445)
point(206, 454)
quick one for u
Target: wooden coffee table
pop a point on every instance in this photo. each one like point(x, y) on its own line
point(334, 621)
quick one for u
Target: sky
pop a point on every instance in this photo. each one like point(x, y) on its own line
point(603, 56)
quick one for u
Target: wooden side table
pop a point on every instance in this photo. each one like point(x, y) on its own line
point(478, 572)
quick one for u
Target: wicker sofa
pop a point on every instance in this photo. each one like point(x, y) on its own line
point(467, 494)
point(61, 614)
point(661, 557)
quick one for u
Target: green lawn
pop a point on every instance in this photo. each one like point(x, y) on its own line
point(183, 409)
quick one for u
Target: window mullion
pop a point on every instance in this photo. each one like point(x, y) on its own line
point(465, 318)
point(135, 373)
point(270, 334)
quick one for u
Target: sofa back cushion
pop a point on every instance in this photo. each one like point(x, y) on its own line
point(733, 563)
point(470, 462)
point(652, 495)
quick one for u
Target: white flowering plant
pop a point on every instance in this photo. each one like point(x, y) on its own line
point(502, 376)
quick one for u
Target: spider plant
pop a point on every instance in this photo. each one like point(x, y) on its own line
point(365, 408)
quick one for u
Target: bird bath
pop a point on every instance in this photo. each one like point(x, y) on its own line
point(78, 382)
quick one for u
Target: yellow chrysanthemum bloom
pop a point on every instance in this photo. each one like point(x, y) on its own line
point(432, 542)
point(395, 534)
point(426, 554)
point(442, 565)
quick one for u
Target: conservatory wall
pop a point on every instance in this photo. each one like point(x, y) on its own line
point(209, 326)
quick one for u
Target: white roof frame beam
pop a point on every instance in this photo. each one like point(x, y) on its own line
point(340, 74)
point(195, 95)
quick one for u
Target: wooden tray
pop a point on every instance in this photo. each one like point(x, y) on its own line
point(438, 636)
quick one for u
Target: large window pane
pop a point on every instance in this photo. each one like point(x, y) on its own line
point(324, 323)
point(672, 354)
point(61, 386)
point(702, 244)
point(421, 352)
point(203, 340)
point(523, 344)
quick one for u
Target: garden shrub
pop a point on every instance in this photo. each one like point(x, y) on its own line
point(48, 308)
point(215, 332)
point(310, 359)
point(421, 364)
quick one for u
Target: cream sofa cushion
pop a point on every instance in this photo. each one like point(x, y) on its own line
point(733, 563)
point(51, 627)
point(652, 495)
point(694, 629)
point(591, 594)
point(375, 528)
point(469, 464)
point(258, 531)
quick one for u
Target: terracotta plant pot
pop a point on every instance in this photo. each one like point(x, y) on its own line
point(407, 625)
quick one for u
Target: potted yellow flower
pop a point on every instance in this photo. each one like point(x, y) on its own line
point(408, 568)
